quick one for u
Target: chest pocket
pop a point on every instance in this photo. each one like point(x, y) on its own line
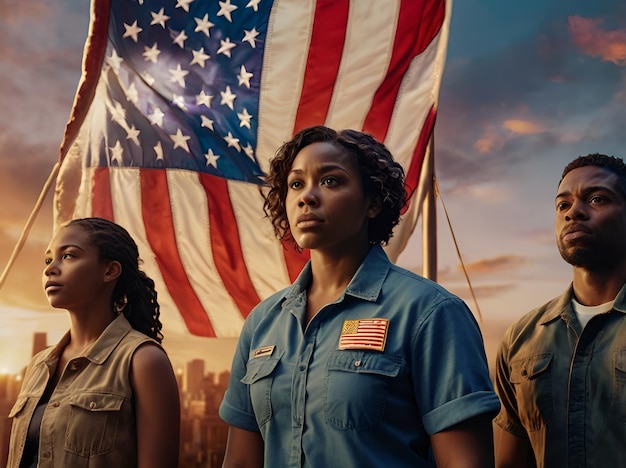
point(356, 388)
point(92, 423)
point(259, 377)
point(532, 379)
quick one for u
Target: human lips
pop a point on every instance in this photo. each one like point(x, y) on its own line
point(51, 286)
point(308, 220)
point(575, 232)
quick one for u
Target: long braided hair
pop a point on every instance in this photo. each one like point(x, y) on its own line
point(134, 294)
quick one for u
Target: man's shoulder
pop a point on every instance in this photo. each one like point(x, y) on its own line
point(544, 312)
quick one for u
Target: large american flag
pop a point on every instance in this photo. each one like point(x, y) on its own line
point(182, 103)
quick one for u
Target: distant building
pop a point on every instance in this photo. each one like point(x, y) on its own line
point(203, 433)
point(194, 377)
point(40, 342)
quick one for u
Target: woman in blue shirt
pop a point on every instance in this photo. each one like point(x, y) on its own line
point(359, 362)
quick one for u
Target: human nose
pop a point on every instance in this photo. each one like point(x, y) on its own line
point(50, 269)
point(308, 196)
point(577, 210)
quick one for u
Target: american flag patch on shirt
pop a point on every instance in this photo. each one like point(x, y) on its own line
point(364, 334)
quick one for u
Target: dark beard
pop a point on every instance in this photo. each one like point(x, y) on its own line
point(590, 258)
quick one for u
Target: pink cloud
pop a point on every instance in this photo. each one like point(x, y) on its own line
point(495, 264)
point(523, 127)
point(489, 142)
point(592, 40)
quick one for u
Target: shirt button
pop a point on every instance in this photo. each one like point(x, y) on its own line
point(357, 363)
point(46, 454)
point(55, 404)
point(524, 373)
point(73, 366)
point(92, 405)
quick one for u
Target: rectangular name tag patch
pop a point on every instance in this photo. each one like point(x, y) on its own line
point(364, 334)
point(264, 351)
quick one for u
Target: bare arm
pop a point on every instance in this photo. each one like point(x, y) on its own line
point(157, 407)
point(468, 444)
point(244, 449)
point(512, 451)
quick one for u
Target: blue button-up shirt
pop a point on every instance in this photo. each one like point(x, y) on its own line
point(563, 387)
point(318, 405)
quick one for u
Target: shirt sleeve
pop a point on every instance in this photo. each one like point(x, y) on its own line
point(452, 381)
point(236, 407)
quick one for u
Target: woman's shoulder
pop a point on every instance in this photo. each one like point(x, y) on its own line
point(401, 278)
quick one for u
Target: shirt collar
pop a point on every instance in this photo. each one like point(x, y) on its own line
point(366, 283)
point(563, 306)
point(101, 349)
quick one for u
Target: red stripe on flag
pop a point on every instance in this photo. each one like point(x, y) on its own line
point(101, 202)
point(159, 224)
point(417, 161)
point(325, 50)
point(294, 261)
point(323, 60)
point(225, 244)
point(410, 41)
point(93, 56)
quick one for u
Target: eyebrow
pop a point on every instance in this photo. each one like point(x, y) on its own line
point(66, 246)
point(323, 168)
point(588, 190)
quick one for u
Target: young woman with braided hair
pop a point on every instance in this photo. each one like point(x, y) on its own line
point(359, 363)
point(106, 394)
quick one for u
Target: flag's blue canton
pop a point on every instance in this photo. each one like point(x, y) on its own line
point(183, 80)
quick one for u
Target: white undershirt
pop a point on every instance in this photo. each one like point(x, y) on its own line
point(584, 313)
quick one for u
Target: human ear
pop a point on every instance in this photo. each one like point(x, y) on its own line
point(112, 271)
point(375, 208)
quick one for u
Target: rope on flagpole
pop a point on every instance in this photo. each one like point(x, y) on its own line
point(458, 252)
point(29, 223)
point(93, 56)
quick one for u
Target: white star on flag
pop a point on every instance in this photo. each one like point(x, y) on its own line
point(180, 140)
point(228, 98)
point(132, 30)
point(226, 9)
point(204, 25)
point(211, 158)
point(159, 18)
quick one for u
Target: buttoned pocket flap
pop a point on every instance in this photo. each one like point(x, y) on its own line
point(259, 368)
point(97, 401)
point(18, 406)
point(528, 368)
point(365, 362)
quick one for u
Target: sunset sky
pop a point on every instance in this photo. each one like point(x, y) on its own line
point(527, 87)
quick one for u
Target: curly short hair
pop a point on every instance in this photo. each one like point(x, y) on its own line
point(381, 176)
point(610, 163)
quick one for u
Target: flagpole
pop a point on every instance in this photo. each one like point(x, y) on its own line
point(29, 224)
point(429, 217)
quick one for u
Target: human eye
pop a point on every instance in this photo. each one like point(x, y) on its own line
point(47, 261)
point(595, 199)
point(295, 184)
point(561, 205)
point(330, 181)
point(67, 255)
